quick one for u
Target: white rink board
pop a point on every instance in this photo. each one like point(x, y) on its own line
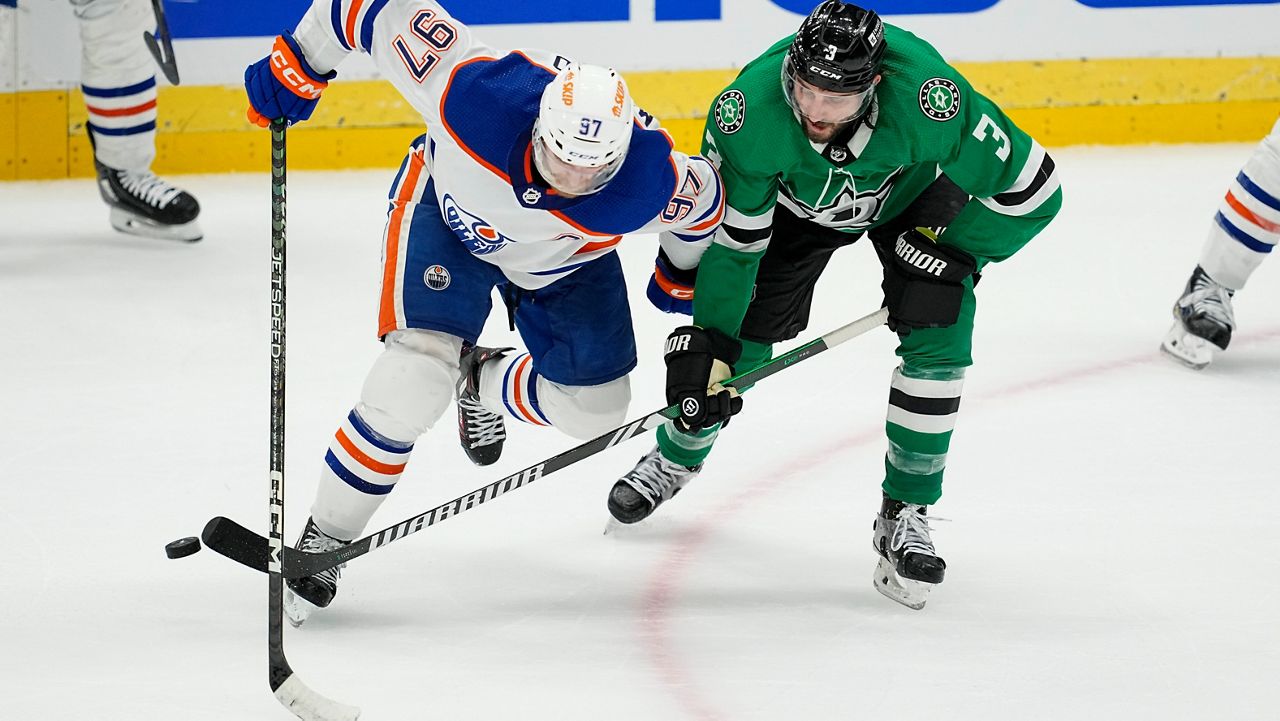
point(8, 51)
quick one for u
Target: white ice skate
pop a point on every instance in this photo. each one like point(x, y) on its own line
point(909, 567)
point(302, 596)
point(1203, 322)
point(652, 482)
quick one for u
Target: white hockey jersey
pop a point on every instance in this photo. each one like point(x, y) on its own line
point(480, 105)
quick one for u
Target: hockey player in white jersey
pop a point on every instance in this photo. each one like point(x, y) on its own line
point(1244, 231)
point(118, 79)
point(532, 169)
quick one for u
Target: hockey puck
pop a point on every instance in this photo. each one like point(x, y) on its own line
point(182, 547)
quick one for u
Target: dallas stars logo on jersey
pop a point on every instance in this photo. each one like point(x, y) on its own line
point(839, 204)
point(940, 99)
point(730, 111)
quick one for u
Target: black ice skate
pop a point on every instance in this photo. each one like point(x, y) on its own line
point(653, 481)
point(1204, 320)
point(909, 567)
point(304, 595)
point(480, 430)
point(144, 204)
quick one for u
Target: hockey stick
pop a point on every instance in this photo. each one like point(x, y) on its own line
point(244, 546)
point(285, 684)
point(161, 44)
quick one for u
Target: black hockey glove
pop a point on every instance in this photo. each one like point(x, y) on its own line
point(698, 360)
point(923, 281)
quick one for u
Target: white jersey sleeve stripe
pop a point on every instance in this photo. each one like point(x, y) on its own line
point(1045, 182)
point(747, 222)
point(1035, 158)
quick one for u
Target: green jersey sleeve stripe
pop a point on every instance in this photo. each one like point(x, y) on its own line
point(1043, 175)
point(745, 241)
point(747, 222)
point(1030, 189)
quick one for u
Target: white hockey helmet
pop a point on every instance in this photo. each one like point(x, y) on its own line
point(583, 128)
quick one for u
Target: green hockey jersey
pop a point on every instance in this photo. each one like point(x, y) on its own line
point(926, 119)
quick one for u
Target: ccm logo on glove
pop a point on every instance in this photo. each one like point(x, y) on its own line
point(284, 65)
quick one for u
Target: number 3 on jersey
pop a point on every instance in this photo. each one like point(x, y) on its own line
point(438, 36)
point(980, 132)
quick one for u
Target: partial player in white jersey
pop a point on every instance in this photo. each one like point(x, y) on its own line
point(532, 170)
point(118, 79)
point(1244, 231)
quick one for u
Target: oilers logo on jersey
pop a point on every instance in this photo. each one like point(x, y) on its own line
point(437, 277)
point(479, 236)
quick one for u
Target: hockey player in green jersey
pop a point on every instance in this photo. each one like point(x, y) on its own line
point(851, 127)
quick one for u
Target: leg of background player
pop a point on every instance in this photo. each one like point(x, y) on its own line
point(1245, 229)
point(118, 80)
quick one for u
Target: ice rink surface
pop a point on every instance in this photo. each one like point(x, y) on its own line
point(1112, 551)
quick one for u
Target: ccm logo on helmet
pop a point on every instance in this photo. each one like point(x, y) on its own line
point(824, 72)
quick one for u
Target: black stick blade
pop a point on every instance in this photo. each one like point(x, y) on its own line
point(236, 542)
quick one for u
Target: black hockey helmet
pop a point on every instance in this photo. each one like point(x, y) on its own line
point(839, 48)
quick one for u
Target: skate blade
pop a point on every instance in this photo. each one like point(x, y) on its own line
point(126, 222)
point(651, 526)
point(911, 594)
point(297, 609)
point(614, 527)
point(1189, 350)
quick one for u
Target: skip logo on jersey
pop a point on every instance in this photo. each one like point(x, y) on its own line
point(478, 235)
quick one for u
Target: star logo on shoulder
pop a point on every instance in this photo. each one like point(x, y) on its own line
point(730, 111)
point(940, 99)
